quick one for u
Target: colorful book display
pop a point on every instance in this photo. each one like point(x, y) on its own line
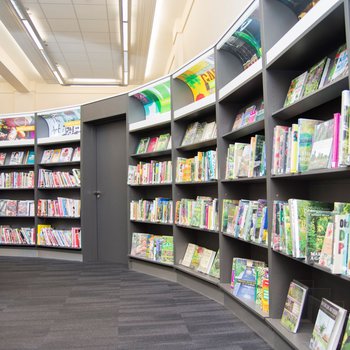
point(60, 207)
point(153, 247)
point(17, 158)
point(150, 173)
point(16, 128)
point(13, 207)
point(154, 144)
point(61, 155)
point(201, 259)
point(203, 167)
point(56, 179)
point(199, 132)
point(17, 236)
point(246, 220)
point(17, 180)
point(159, 210)
point(249, 114)
point(201, 212)
point(246, 160)
point(48, 236)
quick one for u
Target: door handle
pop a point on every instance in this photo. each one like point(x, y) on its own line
point(97, 194)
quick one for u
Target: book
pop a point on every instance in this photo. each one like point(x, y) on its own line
point(56, 155)
point(196, 257)
point(76, 155)
point(143, 145)
point(328, 326)
point(321, 151)
point(344, 127)
point(345, 345)
point(190, 250)
point(340, 65)
point(206, 261)
point(2, 158)
point(162, 143)
point(215, 267)
point(152, 144)
point(340, 243)
point(306, 131)
point(47, 156)
point(314, 77)
point(190, 134)
point(30, 157)
point(296, 89)
point(326, 256)
point(66, 154)
point(16, 158)
point(335, 145)
point(293, 307)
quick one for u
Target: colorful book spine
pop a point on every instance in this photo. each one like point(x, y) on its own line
point(335, 145)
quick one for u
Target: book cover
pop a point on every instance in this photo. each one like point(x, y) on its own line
point(326, 256)
point(163, 141)
point(139, 244)
point(167, 250)
point(47, 156)
point(244, 163)
point(198, 137)
point(66, 154)
point(345, 345)
point(314, 77)
point(186, 261)
point(237, 158)
point(76, 155)
point(152, 144)
point(30, 157)
point(238, 120)
point(265, 297)
point(2, 158)
point(258, 156)
point(190, 134)
point(196, 258)
point(293, 307)
point(209, 131)
point(206, 260)
point(340, 65)
point(321, 151)
point(16, 158)
point(143, 145)
point(335, 145)
point(344, 127)
point(306, 131)
point(296, 89)
point(328, 326)
point(340, 243)
point(317, 223)
point(56, 155)
point(215, 267)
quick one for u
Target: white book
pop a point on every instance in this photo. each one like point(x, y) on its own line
point(186, 261)
point(206, 261)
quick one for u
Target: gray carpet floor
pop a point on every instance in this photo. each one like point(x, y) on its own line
point(46, 304)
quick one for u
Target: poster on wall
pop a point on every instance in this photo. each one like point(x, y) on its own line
point(155, 100)
point(245, 41)
point(20, 127)
point(63, 122)
point(200, 78)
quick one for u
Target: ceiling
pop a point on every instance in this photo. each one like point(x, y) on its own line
point(83, 37)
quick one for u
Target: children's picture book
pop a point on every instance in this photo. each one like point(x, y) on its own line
point(296, 89)
point(152, 144)
point(56, 155)
point(321, 152)
point(162, 143)
point(16, 158)
point(206, 261)
point(328, 326)
point(66, 154)
point(215, 267)
point(30, 158)
point(314, 77)
point(76, 155)
point(340, 243)
point(186, 261)
point(340, 65)
point(196, 257)
point(293, 308)
point(2, 158)
point(143, 145)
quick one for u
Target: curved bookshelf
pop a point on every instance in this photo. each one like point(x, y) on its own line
point(150, 261)
point(198, 145)
point(260, 245)
point(245, 179)
point(196, 228)
point(58, 164)
point(331, 173)
point(196, 274)
point(151, 154)
point(151, 222)
point(246, 130)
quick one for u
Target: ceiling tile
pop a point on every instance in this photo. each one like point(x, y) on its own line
point(54, 1)
point(34, 10)
point(68, 37)
point(96, 37)
point(92, 25)
point(89, 2)
point(97, 48)
point(58, 10)
point(64, 25)
point(75, 56)
point(91, 11)
point(70, 47)
point(114, 26)
point(113, 11)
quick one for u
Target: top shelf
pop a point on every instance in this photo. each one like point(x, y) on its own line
point(151, 123)
point(58, 139)
point(16, 143)
point(195, 109)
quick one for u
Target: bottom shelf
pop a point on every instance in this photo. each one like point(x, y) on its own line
point(17, 245)
point(149, 261)
point(56, 247)
point(226, 287)
point(299, 340)
point(199, 275)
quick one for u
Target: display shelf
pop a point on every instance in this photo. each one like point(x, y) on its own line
point(255, 179)
point(59, 164)
point(184, 183)
point(151, 123)
point(196, 108)
point(18, 216)
point(299, 340)
point(59, 217)
point(151, 154)
point(226, 287)
point(57, 247)
point(16, 143)
point(17, 189)
point(53, 140)
point(196, 228)
point(260, 245)
point(151, 222)
point(151, 185)
point(321, 96)
point(16, 166)
point(246, 130)
point(332, 173)
point(58, 188)
point(242, 85)
point(196, 274)
point(198, 145)
point(17, 245)
point(304, 32)
point(150, 261)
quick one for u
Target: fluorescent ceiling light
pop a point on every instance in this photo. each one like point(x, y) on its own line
point(125, 36)
point(17, 9)
point(126, 78)
point(94, 81)
point(48, 61)
point(125, 10)
point(58, 77)
point(126, 56)
point(32, 34)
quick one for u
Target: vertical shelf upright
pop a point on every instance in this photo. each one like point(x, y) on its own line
point(149, 116)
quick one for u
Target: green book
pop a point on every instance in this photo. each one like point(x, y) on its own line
point(215, 267)
point(143, 145)
point(162, 143)
point(314, 77)
point(306, 129)
point(167, 250)
point(196, 258)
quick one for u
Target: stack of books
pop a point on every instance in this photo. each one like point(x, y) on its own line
point(199, 132)
point(13, 207)
point(202, 167)
point(159, 210)
point(48, 236)
point(246, 160)
point(61, 155)
point(60, 207)
point(17, 180)
point(202, 260)
point(249, 114)
point(245, 219)
point(153, 247)
point(201, 212)
point(18, 158)
point(150, 173)
point(22, 235)
point(154, 144)
point(53, 179)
